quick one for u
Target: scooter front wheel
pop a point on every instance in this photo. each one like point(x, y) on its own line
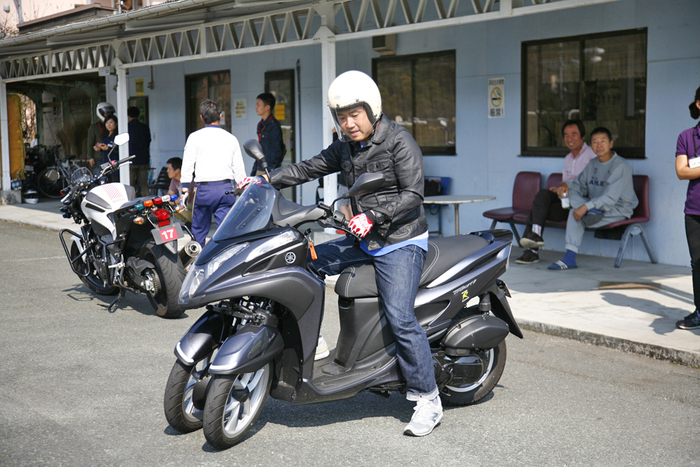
point(493, 362)
point(233, 404)
point(179, 400)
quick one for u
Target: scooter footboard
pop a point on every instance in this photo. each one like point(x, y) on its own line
point(248, 350)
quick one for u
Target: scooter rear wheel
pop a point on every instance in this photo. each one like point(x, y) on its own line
point(494, 361)
point(233, 404)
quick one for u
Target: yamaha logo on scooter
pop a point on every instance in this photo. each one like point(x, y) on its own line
point(290, 257)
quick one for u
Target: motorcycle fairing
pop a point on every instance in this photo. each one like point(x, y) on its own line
point(293, 287)
point(251, 348)
point(199, 342)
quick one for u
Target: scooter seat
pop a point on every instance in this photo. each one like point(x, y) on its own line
point(443, 253)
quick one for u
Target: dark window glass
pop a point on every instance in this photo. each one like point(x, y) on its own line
point(215, 86)
point(600, 79)
point(418, 92)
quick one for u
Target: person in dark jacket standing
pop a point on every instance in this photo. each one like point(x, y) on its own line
point(688, 168)
point(139, 146)
point(391, 223)
point(269, 133)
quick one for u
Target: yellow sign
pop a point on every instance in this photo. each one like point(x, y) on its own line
point(280, 112)
point(239, 109)
point(497, 97)
point(140, 90)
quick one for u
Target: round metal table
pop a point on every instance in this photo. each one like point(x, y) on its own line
point(455, 200)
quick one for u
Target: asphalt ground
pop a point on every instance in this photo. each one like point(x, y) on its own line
point(83, 386)
point(633, 308)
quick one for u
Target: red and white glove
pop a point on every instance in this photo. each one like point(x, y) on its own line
point(244, 183)
point(360, 225)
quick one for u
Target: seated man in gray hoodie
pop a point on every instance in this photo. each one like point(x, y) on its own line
point(602, 194)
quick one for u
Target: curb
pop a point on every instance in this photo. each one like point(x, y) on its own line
point(657, 352)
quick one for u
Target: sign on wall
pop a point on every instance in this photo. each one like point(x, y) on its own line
point(239, 109)
point(497, 97)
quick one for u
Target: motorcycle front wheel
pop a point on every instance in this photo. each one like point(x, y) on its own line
point(167, 277)
point(89, 276)
point(494, 362)
point(233, 404)
point(178, 401)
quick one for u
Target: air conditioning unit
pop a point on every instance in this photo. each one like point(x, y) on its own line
point(385, 45)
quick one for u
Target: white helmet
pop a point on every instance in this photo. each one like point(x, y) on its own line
point(351, 89)
point(104, 109)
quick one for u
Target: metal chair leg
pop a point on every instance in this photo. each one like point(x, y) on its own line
point(652, 257)
point(623, 245)
point(515, 233)
point(630, 231)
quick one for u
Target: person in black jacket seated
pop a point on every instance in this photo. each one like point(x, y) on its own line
point(391, 223)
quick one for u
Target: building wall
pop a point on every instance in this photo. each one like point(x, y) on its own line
point(488, 150)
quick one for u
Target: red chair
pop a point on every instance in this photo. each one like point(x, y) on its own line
point(641, 213)
point(526, 186)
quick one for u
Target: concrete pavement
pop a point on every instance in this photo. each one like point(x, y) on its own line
point(633, 308)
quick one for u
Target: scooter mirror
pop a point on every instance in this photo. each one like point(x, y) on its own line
point(368, 182)
point(254, 150)
point(121, 139)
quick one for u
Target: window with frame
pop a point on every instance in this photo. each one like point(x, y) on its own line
point(215, 86)
point(419, 92)
point(599, 78)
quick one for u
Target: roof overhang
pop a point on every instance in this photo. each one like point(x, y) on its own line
point(196, 29)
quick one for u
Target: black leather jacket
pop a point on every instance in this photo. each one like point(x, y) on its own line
point(398, 204)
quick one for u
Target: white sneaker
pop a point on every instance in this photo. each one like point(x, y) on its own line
point(322, 350)
point(426, 417)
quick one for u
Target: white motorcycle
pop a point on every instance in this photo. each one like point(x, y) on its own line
point(125, 243)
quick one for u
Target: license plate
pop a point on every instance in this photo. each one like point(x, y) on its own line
point(167, 233)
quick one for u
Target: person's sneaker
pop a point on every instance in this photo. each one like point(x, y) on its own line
point(592, 217)
point(692, 321)
point(529, 257)
point(426, 417)
point(531, 240)
point(322, 350)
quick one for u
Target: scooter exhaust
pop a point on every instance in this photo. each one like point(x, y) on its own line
point(190, 252)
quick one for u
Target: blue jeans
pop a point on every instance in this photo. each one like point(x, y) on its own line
point(398, 275)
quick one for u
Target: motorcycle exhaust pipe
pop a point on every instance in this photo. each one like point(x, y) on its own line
point(190, 252)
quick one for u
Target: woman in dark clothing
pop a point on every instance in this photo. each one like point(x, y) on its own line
point(688, 168)
point(108, 142)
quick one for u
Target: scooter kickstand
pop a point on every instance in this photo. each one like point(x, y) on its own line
point(112, 305)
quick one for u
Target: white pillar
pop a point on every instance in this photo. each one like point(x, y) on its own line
point(4, 137)
point(122, 104)
point(327, 38)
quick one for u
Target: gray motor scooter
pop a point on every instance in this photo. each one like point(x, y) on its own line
point(264, 307)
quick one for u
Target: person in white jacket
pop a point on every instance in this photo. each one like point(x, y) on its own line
point(213, 163)
point(602, 194)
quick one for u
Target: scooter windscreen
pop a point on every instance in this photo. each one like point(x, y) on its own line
point(251, 212)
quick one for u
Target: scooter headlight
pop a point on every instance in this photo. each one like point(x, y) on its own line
point(219, 259)
point(273, 243)
point(198, 274)
point(194, 278)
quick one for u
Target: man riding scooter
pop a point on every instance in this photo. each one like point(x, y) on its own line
point(391, 223)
